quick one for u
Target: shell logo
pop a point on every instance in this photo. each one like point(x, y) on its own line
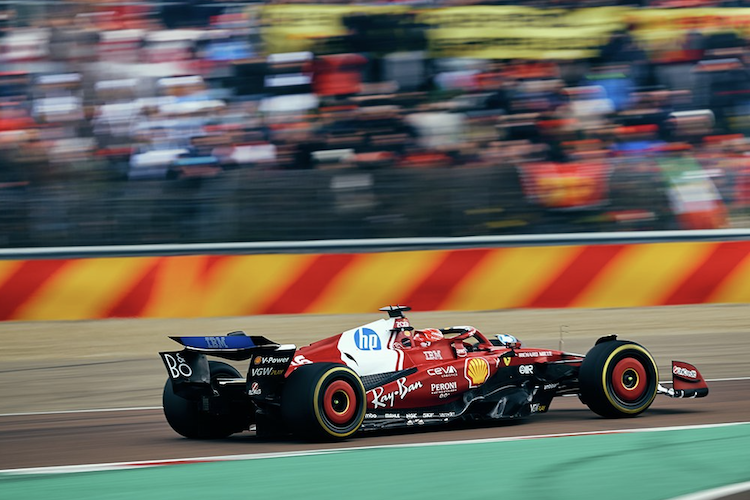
point(476, 371)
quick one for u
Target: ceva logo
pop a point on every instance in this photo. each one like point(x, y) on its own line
point(367, 340)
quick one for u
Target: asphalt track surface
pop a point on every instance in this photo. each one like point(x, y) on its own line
point(138, 435)
point(62, 367)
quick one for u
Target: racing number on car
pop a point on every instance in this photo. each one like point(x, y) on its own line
point(177, 366)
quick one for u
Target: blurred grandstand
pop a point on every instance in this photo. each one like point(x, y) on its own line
point(196, 121)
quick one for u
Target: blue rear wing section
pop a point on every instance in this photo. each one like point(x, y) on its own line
point(236, 345)
point(224, 342)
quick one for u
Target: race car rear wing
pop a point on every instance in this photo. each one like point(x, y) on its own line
point(235, 346)
point(687, 382)
point(189, 371)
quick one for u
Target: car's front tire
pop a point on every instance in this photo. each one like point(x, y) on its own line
point(618, 379)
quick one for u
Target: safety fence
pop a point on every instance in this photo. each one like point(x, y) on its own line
point(249, 205)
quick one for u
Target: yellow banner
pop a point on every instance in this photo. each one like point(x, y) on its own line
point(507, 32)
point(499, 32)
point(663, 31)
point(293, 28)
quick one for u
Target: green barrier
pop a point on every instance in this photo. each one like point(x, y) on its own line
point(645, 465)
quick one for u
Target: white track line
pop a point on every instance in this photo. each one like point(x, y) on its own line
point(67, 469)
point(715, 493)
point(138, 408)
point(94, 410)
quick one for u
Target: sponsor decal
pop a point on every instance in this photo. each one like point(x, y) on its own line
point(505, 360)
point(392, 415)
point(443, 388)
point(254, 390)
point(367, 340)
point(428, 415)
point(476, 371)
point(526, 369)
point(433, 355)
point(447, 414)
point(533, 354)
point(216, 342)
point(548, 387)
point(266, 371)
point(370, 415)
point(381, 399)
point(401, 323)
point(443, 371)
point(177, 366)
point(411, 415)
point(538, 408)
point(681, 371)
point(270, 360)
point(300, 360)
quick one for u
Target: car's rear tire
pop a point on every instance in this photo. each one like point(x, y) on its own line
point(618, 379)
point(222, 418)
point(323, 401)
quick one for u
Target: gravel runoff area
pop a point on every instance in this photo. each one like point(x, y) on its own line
point(71, 365)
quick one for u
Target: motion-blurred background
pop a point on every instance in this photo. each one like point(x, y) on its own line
point(199, 121)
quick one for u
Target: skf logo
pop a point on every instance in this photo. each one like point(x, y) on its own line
point(367, 340)
point(476, 371)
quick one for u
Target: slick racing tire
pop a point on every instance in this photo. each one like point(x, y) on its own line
point(323, 401)
point(618, 379)
point(222, 418)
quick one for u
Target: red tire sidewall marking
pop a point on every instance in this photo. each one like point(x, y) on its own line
point(351, 408)
point(626, 394)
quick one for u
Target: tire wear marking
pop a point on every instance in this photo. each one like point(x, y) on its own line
point(606, 370)
point(316, 405)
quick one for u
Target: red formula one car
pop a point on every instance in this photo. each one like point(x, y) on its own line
point(386, 374)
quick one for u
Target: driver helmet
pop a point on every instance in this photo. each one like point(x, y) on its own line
point(508, 340)
point(425, 337)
